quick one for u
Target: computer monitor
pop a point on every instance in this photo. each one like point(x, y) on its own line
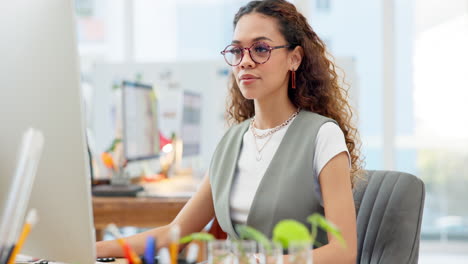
point(140, 121)
point(40, 88)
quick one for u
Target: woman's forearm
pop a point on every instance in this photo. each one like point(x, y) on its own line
point(334, 253)
point(137, 242)
point(192, 218)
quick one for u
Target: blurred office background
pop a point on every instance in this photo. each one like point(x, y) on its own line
point(405, 61)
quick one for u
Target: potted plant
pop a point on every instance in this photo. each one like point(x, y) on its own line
point(289, 232)
point(285, 233)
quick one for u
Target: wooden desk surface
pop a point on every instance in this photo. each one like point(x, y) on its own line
point(135, 211)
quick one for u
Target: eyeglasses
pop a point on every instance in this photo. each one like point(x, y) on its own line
point(259, 52)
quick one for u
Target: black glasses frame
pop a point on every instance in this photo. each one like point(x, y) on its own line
point(223, 52)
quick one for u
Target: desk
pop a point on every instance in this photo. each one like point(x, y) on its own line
point(134, 211)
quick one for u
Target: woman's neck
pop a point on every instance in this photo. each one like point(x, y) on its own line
point(272, 114)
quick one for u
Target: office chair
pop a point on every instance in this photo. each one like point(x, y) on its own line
point(389, 208)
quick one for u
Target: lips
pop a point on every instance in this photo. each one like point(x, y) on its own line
point(248, 77)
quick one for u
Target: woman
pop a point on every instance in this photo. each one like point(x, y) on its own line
point(292, 150)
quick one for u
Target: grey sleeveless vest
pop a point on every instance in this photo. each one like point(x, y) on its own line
point(286, 191)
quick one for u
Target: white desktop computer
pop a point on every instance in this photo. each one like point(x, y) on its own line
point(40, 88)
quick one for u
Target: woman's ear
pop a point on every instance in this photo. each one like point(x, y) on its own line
point(296, 57)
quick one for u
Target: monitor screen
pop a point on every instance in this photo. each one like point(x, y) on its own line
point(40, 88)
point(140, 121)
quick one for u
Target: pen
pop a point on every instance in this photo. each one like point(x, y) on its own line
point(126, 249)
point(192, 253)
point(174, 234)
point(19, 192)
point(31, 220)
point(130, 255)
point(164, 257)
point(149, 250)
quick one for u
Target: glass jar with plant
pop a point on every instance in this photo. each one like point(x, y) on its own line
point(287, 234)
point(294, 236)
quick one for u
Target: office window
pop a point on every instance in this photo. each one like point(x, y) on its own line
point(441, 123)
point(430, 137)
point(84, 7)
point(100, 29)
point(323, 5)
point(183, 29)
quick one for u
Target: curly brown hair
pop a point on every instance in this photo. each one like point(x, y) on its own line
point(317, 82)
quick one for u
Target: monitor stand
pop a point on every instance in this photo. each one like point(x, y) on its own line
point(120, 186)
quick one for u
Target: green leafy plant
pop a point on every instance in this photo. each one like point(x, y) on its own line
point(288, 230)
point(318, 221)
point(247, 232)
point(196, 236)
point(284, 232)
point(114, 143)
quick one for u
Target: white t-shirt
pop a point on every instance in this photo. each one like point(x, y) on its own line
point(330, 141)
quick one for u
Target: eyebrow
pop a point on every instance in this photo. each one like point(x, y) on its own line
point(254, 40)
